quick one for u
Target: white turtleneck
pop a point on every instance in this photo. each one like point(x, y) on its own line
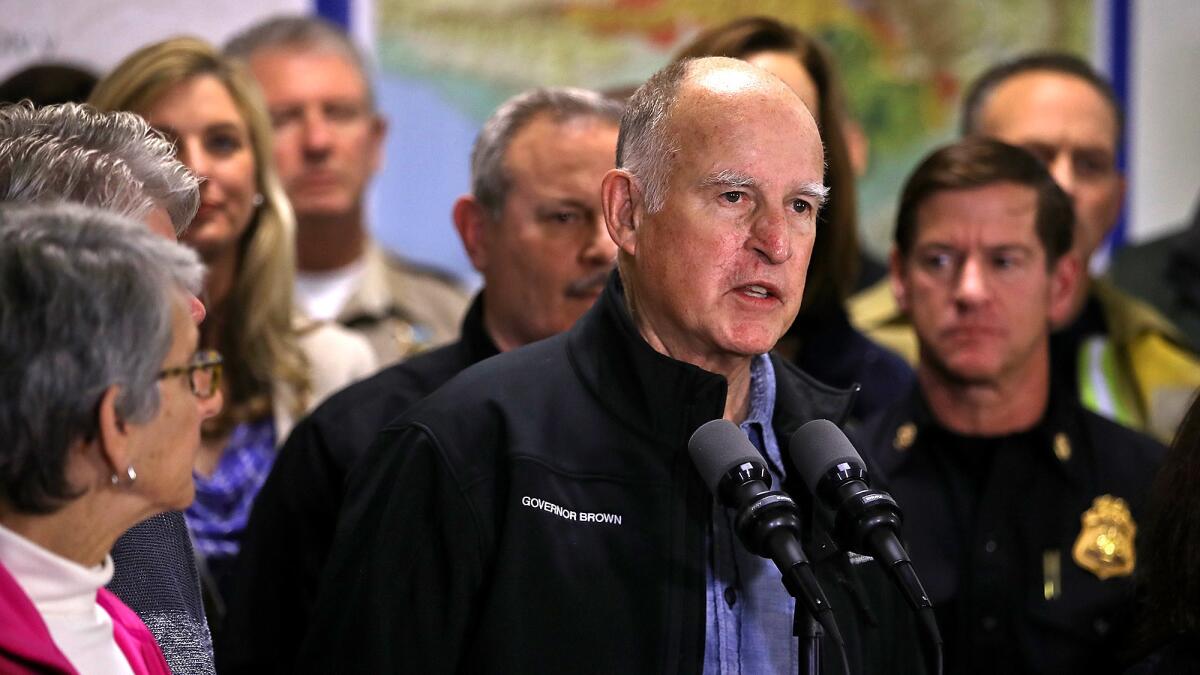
point(64, 593)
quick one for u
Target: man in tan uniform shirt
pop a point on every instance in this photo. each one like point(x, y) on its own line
point(328, 145)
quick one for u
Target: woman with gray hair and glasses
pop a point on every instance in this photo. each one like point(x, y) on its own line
point(100, 409)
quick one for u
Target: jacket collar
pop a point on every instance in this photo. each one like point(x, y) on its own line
point(1128, 318)
point(801, 398)
point(666, 399)
point(473, 336)
point(26, 643)
point(1059, 435)
point(24, 637)
point(660, 397)
point(134, 640)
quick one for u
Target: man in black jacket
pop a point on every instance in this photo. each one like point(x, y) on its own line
point(540, 513)
point(1021, 506)
point(533, 227)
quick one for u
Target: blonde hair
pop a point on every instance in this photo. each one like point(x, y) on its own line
point(258, 338)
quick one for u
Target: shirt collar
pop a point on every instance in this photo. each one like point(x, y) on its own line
point(666, 399)
point(762, 391)
point(53, 583)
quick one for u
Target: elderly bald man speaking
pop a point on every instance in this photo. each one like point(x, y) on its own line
point(540, 512)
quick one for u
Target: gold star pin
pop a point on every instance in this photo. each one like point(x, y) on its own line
point(906, 434)
point(1062, 447)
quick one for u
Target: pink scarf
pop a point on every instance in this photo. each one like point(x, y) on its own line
point(26, 645)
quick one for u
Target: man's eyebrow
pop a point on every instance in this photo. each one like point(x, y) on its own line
point(285, 108)
point(938, 244)
point(1008, 247)
point(817, 191)
point(559, 203)
point(733, 178)
point(728, 178)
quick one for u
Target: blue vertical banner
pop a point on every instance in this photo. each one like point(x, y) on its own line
point(337, 11)
point(1120, 27)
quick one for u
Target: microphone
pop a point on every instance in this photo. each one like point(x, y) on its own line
point(867, 521)
point(767, 521)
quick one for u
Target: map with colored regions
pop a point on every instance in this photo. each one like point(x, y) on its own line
point(903, 63)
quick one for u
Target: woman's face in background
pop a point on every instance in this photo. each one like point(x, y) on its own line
point(213, 140)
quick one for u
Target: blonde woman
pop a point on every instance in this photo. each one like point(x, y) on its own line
point(277, 363)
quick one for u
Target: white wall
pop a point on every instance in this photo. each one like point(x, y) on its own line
point(99, 33)
point(1164, 158)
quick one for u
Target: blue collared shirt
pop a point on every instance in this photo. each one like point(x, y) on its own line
point(749, 618)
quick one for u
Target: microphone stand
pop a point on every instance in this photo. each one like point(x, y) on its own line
point(808, 631)
point(806, 627)
point(768, 523)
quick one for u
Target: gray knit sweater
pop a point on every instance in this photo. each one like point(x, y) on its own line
point(155, 574)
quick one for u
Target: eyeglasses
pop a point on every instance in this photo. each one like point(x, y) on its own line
point(203, 372)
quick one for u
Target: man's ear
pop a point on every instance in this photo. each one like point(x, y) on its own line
point(470, 221)
point(114, 433)
point(1065, 277)
point(896, 279)
point(621, 200)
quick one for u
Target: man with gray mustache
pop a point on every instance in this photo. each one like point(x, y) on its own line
point(533, 227)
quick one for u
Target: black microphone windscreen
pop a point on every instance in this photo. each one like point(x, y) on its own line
point(817, 447)
point(718, 446)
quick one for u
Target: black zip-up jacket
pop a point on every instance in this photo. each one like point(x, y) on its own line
point(540, 514)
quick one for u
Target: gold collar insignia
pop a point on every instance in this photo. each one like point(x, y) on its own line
point(1105, 543)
